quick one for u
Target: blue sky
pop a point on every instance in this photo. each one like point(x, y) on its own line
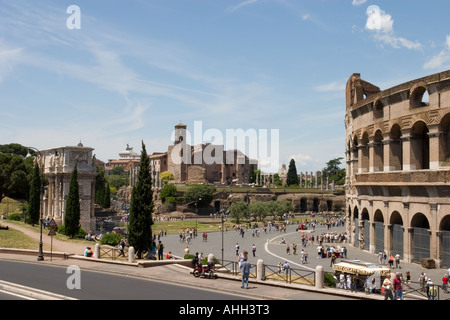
point(136, 68)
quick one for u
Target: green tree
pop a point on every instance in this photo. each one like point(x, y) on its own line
point(238, 211)
point(15, 176)
point(258, 210)
point(292, 177)
point(100, 182)
point(278, 208)
point(141, 208)
point(34, 203)
point(107, 198)
point(72, 216)
point(168, 190)
point(201, 193)
point(277, 180)
point(251, 174)
point(166, 176)
point(334, 172)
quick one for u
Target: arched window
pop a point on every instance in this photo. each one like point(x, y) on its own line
point(419, 97)
point(420, 146)
point(378, 110)
point(395, 148)
point(378, 153)
point(444, 141)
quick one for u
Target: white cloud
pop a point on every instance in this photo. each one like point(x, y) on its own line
point(358, 2)
point(382, 24)
point(240, 5)
point(8, 59)
point(301, 160)
point(331, 87)
point(441, 58)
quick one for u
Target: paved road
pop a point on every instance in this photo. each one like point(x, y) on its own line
point(101, 285)
point(269, 249)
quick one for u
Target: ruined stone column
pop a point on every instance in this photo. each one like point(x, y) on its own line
point(406, 151)
point(435, 147)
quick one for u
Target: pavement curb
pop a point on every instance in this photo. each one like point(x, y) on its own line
point(31, 292)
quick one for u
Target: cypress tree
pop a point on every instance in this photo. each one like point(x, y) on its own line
point(107, 197)
point(34, 204)
point(72, 216)
point(292, 178)
point(100, 181)
point(141, 208)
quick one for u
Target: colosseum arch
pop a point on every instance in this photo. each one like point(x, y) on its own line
point(395, 148)
point(378, 152)
point(378, 109)
point(396, 233)
point(420, 146)
point(419, 96)
point(445, 241)
point(365, 232)
point(378, 221)
point(420, 244)
point(444, 140)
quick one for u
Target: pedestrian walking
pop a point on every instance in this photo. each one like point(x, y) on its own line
point(445, 283)
point(397, 261)
point(160, 250)
point(237, 249)
point(391, 261)
point(333, 259)
point(242, 257)
point(387, 287)
point(349, 282)
point(286, 267)
point(245, 271)
point(288, 249)
point(254, 250)
point(398, 288)
point(431, 290)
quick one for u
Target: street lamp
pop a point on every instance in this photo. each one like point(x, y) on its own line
point(41, 252)
point(196, 212)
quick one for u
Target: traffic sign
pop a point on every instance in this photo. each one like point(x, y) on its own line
point(52, 224)
point(52, 232)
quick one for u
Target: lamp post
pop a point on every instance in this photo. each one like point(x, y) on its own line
point(196, 212)
point(41, 252)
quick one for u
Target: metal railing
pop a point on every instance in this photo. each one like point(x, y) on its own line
point(113, 253)
point(290, 275)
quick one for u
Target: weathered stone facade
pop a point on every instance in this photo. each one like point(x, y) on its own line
point(397, 152)
point(205, 163)
point(58, 165)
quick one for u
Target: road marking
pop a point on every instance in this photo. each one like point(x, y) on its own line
point(16, 295)
point(284, 258)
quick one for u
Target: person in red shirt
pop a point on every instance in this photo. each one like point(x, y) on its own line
point(445, 283)
point(397, 284)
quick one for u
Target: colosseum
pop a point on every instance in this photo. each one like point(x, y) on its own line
point(398, 168)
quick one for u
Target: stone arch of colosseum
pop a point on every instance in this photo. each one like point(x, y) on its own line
point(398, 167)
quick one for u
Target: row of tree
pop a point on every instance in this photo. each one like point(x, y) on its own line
point(259, 210)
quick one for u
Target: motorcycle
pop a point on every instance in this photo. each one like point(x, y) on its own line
point(206, 271)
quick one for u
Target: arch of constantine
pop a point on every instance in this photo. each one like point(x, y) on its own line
point(398, 167)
